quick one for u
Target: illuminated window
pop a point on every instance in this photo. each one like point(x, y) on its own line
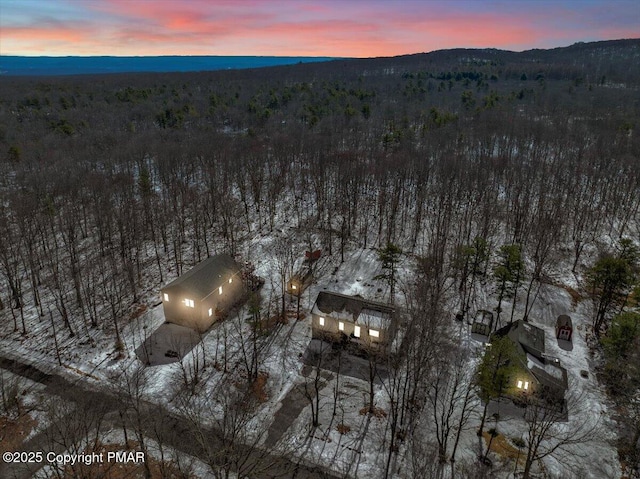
point(341, 326)
point(294, 287)
point(220, 290)
point(321, 321)
point(519, 384)
point(356, 331)
point(166, 297)
point(374, 333)
point(189, 303)
point(210, 312)
point(526, 384)
point(230, 280)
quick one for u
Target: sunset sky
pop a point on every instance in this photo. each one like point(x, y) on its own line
point(338, 28)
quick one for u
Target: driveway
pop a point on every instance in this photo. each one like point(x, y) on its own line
point(167, 344)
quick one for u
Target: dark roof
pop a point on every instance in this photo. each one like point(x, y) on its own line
point(564, 321)
point(331, 303)
point(529, 337)
point(206, 276)
point(553, 378)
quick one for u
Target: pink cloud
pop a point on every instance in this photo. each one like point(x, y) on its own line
point(328, 28)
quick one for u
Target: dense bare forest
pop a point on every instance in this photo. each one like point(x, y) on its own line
point(112, 185)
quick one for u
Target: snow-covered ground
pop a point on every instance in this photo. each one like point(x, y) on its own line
point(31, 396)
point(588, 405)
point(348, 442)
point(176, 464)
point(358, 450)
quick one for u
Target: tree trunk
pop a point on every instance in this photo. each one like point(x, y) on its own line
point(484, 416)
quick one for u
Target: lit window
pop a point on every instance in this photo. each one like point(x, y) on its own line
point(356, 331)
point(210, 312)
point(526, 384)
point(230, 280)
point(294, 287)
point(519, 384)
point(374, 333)
point(189, 303)
point(341, 326)
point(166, 297)
point(220, 290)
point(321, 321)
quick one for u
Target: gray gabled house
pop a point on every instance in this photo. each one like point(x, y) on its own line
point(197, 298)
point(548, 377)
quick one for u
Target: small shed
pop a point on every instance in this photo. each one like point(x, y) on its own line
point(482, 322)
point(299, 282)
point(311, 256)
point(564, 327)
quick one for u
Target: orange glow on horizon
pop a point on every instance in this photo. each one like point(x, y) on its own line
point(274, 28)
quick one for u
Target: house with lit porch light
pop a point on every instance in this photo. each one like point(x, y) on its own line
point(200, 296)
point(352, 319)
point(541, 374)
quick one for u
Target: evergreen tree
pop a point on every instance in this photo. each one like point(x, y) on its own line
point(470, 261)
point(611, 280)
point(389, 256)
point(508, 275)
point(622, 353)
point(495, 372)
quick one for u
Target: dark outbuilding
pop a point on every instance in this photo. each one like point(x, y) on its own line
point(564, 327)
point(482, 322)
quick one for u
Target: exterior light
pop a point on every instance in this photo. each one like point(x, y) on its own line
point(230, 280)
point(210, 311)
point(294, 287)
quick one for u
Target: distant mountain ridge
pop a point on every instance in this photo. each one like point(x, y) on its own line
point(625, 50)
point(38, 66)
point(616, 59)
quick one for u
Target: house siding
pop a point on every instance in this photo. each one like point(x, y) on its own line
point(177, 312)
point(330, 331)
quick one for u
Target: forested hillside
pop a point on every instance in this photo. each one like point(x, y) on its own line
point(112, 185)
